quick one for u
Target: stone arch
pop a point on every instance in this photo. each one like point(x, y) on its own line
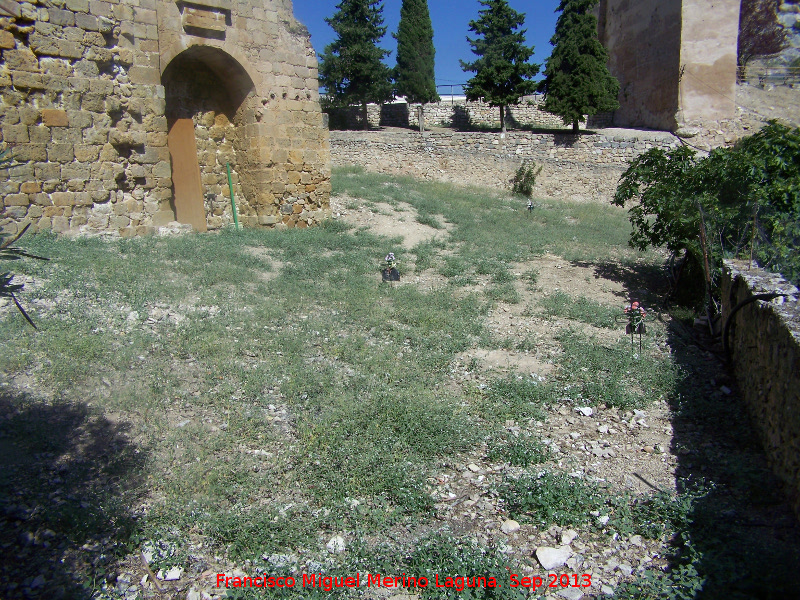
point(210, 101)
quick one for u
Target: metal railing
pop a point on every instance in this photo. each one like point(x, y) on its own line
point(768, 75)
point(452, 87)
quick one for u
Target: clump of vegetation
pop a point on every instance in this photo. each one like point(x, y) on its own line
point(517, 398)
point(525, 178)
point(518, 452)
point(580, 309)
point(740, 201)
point(551, 498)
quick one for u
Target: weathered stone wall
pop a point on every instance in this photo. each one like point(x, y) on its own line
point(643, 41)
point(675, 59)
point(583, 167)
point(457, 113)
point(86, 109)
point(709, 35)
point(765, 345)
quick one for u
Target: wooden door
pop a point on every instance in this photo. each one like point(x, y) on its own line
point(189, 207)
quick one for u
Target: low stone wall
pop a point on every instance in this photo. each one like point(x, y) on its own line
point(765, 348)
point(577, 167)
point(458, 113)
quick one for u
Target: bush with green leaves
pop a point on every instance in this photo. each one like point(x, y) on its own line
point(741, 201)
point(525, 178)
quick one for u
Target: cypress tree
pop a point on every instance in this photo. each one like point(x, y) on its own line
point(351, 67)
point(577, 81)
point(502, 73)
point(414, 75)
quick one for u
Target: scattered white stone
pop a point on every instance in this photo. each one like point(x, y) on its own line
point(553, 558)
point(603, 429)
point(509, 526)
point(571, 593)
point(607, 590)
point(336, 545)
point(575, 562)
point(586, 411)
point(625, 569)
point(280, 560)
point(473, 467)
point(173, 574)
point(639, 414)
point(636, 540)
point(603, 520)
point(193, 595)
point(567, 536)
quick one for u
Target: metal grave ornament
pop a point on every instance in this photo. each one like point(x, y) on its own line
point(390, 272)
point(635, 315)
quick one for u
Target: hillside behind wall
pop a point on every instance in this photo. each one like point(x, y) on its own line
point(765, 348)
point(580, 168)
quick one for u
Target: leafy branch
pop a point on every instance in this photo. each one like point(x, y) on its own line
point(718, 205)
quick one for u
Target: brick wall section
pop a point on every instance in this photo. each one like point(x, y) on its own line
point(84, 108)
point(457, 113)
point(765, 343)
point(582, 168)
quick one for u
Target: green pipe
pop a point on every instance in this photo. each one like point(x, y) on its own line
point(233, 203)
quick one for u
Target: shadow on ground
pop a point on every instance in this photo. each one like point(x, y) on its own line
point(68, 480)
point(643, 282)
point(742, 536)
point(741, 540)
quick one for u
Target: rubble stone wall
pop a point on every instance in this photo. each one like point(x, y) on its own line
point(86, 112)
point(582, 167)
point(765, 348)
point(457, 113)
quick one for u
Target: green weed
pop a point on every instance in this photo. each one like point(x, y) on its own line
point(518, 451)
point(560, 304)
point(614, 375)
point(516, 398)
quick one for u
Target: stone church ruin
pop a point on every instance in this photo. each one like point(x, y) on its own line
point(124, 115)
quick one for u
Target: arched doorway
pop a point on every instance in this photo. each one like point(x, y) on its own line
point(208, 94)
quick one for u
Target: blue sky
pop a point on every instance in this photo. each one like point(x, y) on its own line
point(450, 28)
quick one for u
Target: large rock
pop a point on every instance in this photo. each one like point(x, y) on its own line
point(553, 558)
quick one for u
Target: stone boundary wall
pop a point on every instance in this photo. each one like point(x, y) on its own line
point(765, 348)
point(459, 113)
point(581, 168)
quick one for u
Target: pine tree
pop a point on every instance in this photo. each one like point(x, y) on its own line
point(414, 75)
point(577, 81)
point(351, 67)
point(502, 73)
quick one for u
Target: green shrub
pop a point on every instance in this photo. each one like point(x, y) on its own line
point(740, 201)
point(525, 178)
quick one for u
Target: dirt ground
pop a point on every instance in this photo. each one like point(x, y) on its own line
point(637, 451)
